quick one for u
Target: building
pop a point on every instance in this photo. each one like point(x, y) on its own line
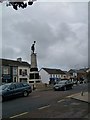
point(51, 76)
point(73, 73)
point(14, 71)
point(82, 73)
point(67, 75)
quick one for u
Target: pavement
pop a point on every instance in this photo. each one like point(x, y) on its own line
point(83, 96)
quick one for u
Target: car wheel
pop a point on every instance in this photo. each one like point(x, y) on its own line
point(54, 89)
point(25, 94)
point(65, 88)
point(3, 98)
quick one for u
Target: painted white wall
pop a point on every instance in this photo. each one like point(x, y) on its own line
point(44, 76)
point(74, 74)
point(26, 76)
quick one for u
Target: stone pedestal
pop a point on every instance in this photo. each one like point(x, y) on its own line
point(33, 60)
point(34, 74)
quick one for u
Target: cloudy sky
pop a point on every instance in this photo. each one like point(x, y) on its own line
point(59, 29)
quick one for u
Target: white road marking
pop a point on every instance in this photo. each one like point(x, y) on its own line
point(18, 115)
point(60, 100)
point(44, 107)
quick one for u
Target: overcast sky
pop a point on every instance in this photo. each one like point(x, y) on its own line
point(59, 29)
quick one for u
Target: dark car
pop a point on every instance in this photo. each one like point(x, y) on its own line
point(75, 82)
point(63, 85)
point(11, 90)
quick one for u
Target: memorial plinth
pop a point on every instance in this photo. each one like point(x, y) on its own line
point(34, 73)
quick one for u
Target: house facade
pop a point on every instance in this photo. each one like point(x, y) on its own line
point(14, 71)
point(50, 76)
point(82, 73)
point(73, 73)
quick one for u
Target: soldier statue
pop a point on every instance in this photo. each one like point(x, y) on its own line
point(33, 47)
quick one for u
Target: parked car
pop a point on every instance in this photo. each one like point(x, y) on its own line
point(63, 85)
point(75, 82)
point(10, 90)
point(85, 80)
point(80, 82)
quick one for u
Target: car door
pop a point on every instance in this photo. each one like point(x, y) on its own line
point(10, 91)
point(69, 84)
point(18, 89)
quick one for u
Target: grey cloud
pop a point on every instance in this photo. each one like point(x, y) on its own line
point(60, 34)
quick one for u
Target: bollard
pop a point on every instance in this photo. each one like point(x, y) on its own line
point(45, 84)
point(82, 93)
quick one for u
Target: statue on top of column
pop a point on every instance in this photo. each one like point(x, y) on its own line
point(33, 47)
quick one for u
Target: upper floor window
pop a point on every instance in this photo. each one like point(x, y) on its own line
point(50, 75)
point(6, 70)
point(20, 72)
point(14, 71)
point(23, 72)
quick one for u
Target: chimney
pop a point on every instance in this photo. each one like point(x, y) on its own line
point(19, 59)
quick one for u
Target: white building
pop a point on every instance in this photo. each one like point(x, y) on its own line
point(73, 73)
point(23, 71)
point(49, 75)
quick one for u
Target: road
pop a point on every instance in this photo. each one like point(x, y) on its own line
point(37, 100)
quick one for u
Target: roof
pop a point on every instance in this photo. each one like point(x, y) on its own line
point(8, 62)
point(83, 70)
point(53, 71)
point(72, 71)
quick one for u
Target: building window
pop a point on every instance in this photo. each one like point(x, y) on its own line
point(38, 81)
point(20, 72)
point(23, 79)
point(6, 70)
point(50, 75)
point(31, 75)
point(31, 81)
point(61, 75)
point(24, 72)
point(14, 71)
point(36, 76)
point(53, 75)
point(14, 79)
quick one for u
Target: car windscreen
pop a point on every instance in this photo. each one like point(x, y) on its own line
point(25, 84)
point(62, 82)
point(3, 87)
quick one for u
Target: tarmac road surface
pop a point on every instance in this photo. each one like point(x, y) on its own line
point(37, 100)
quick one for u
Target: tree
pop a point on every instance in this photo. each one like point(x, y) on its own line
point(17, 5)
